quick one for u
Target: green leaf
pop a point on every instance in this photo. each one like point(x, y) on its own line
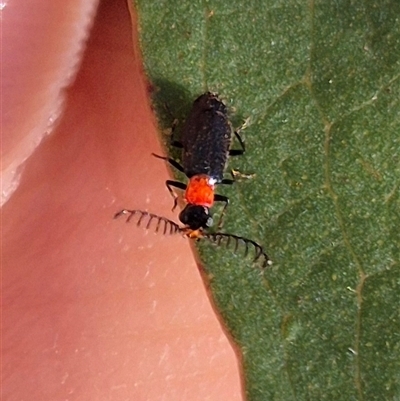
point(320, 82)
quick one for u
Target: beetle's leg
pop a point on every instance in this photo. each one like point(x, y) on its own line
point(228, 181)
point(225, 199)
point(238, 152)
point(172, 162)
point(176, 184)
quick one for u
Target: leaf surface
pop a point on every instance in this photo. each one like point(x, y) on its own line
point(319, 82)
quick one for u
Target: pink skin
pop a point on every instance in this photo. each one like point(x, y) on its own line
point(93, 308)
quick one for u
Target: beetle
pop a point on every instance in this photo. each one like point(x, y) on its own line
point(206, 144)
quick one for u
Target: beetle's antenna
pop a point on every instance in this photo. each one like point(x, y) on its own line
point(163, 224)
point(166, 226)
point(235, 240)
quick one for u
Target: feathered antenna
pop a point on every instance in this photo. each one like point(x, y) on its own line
point(218, 238)
point(168, 226)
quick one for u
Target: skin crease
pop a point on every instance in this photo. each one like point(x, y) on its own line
point(93, 308)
